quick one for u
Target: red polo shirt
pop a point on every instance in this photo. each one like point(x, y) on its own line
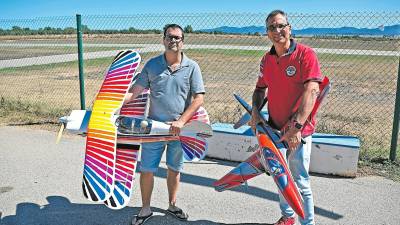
point(285, 77)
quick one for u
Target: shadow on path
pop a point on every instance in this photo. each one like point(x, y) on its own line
point(60, 211)
point(249, 190)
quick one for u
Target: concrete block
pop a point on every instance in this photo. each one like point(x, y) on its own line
point(334, 154)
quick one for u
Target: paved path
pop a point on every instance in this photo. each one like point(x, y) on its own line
point(49, 59)
point(40, 184)
point(41, 60)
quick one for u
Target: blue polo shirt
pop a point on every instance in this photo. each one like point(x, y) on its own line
point(170, 92)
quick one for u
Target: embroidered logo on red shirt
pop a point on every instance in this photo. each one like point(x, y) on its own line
point(290, 71)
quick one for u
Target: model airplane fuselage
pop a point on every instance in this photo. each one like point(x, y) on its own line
point(138, 129)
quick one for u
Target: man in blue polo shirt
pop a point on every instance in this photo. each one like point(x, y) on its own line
point(176, 93)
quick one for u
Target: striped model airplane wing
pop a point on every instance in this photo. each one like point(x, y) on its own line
point(126, 158)
point(100, 156)
point(137, 106)
point(125, 166)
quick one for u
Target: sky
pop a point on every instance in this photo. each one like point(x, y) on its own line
point(22, 9)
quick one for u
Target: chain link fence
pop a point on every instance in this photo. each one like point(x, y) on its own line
point(359, 52)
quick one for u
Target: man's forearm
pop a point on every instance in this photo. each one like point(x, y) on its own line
point(133, 93)
point(258, 97)
point(198, 101)
point(309, 98)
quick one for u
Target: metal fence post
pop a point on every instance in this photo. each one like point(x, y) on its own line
point(80, 60)
point(396, 118)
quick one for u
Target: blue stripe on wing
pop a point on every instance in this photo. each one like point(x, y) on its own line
point(120, 63)
point(93, 185)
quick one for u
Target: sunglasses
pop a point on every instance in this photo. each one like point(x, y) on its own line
point(173, 37)
point(277, 27)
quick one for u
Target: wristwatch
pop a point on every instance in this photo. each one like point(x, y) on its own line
point(297, 125)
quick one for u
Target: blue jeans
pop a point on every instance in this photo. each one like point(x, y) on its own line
point(151, 156)
point(299, 164)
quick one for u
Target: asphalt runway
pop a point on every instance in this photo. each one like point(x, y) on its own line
point(142, 48)
point(40, 184)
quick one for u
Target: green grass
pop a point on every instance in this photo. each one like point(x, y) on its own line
point(35, 68)
point(72, 65)
point(24, 52)
point(17, 112)
point(355, 58)
point(228, 52)
point(379, 166)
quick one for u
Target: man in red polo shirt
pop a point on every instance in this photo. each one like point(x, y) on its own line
point(290, 75)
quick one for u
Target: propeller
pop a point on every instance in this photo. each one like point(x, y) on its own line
point(63, 120)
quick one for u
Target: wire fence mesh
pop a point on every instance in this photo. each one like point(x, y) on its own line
point(359, 52)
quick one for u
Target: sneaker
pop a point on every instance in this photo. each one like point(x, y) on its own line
point(285, 221)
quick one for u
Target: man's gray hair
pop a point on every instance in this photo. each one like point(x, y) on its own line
point(274, 13)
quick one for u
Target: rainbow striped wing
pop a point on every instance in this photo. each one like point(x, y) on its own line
point(125, 166)
point(126, 158)
point(100, 156)
point(137, 106)
point(195, 147)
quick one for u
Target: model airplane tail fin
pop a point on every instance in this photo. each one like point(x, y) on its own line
point(324, 88)
point(242, 121)
point(194, 147)
point(193, 136)
point(201, 115)
point(248, 107)
point(246, 116)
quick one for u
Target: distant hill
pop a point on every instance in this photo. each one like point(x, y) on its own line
point(393, 30)
point(237, 30)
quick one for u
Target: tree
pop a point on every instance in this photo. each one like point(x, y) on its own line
point(16, 28)
point(85, 28)
point(132, 30)
point(188, 29)
point(69, 30)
